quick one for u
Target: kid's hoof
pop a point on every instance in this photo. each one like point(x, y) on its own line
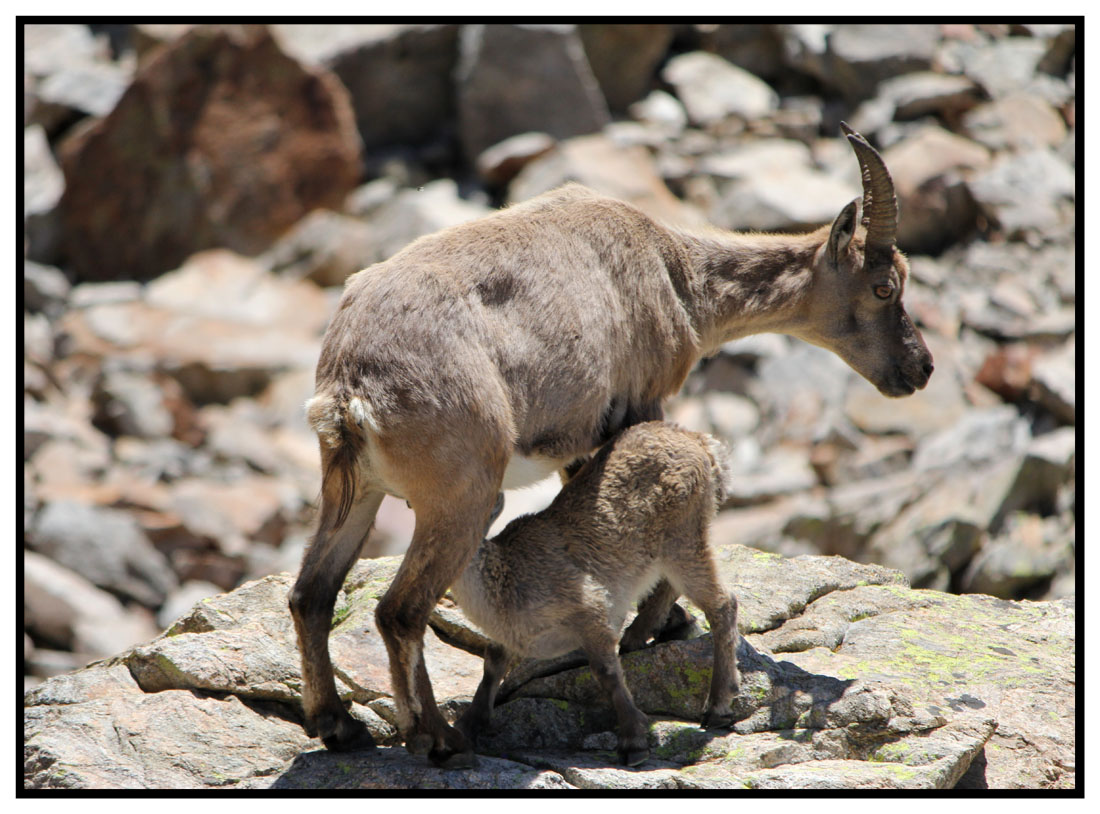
point(420, 744)
point(678, 627)
point(717, 720)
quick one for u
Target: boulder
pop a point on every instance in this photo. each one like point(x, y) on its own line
point(1016, 121)
point(221, 325)
point(850, 680)
point(67, 95)
point(379, 64)
point(325, 247)
point(924, 93)
point(624, 58)
point(711, 89)
point(248, 141)
point(1054, 382)
point(66, 610)
point(628, 174)
point(1026, 192)
point(499, 164)
point(412, 213)
point(774, 187)
point(853, 59)
point(43, 185)
point(106, 546)
point(930, 168)
point(45, 288)
point(515, 79)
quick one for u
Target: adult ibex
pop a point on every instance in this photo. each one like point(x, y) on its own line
point(493, 353)
point(636, 513)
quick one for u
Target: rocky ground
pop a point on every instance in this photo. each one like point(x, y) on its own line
point(851, 679)
point(194, 198)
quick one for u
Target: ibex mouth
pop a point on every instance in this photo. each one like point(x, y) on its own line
point(898, 384)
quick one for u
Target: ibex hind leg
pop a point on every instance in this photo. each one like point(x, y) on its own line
point(448, 531)
point(598, 643)
point(477, 716)
point(325, 565)
point(702, 586)
point(653, 617)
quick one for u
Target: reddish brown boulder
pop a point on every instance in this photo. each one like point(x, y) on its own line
point(221, 140)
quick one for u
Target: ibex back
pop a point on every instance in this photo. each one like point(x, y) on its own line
point(493, 353)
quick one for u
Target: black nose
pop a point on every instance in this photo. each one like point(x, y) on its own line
point(928, 368)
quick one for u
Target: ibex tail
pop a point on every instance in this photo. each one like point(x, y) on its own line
point(720, 470)
point(340, 424)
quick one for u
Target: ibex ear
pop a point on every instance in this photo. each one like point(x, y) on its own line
point(840, 235)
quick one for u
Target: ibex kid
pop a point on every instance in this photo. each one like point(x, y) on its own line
point(634, 516)
point(493, 353)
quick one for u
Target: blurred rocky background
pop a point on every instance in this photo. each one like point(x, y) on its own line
point(194, 197)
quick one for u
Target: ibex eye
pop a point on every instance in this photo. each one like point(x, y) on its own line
point(883, 292)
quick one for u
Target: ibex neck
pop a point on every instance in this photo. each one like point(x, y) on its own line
point(750, 283)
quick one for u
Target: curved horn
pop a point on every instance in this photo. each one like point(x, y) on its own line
point(865, 217)
point(882, 223)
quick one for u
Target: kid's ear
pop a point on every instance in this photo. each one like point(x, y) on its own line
point(840, 235)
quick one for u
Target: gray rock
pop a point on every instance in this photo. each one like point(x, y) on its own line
point(859, 57)
point(379, 64)
point(918, 94)
point(221, 325)
point(416, 212)
point(43, 181)
point(499, 164)
point(929, 168)
point(1016, 560)
point(45, 288)
point(61, 742)
point(899, 692)
point(65, 609)
point(514, 79)
point(624, 58)
point(90, 89)
point(757, 49)
point(129, 402)
point(394, 768)
point(324, 246)
point(661, 110)
point(1024, 192)
point(183, 599)
point(107, 547)
point(711, 89)
point(1054, 382)
point(52, 47)
point(1016, 121)
point(786, 198)
point(1004, 65)
point(628, 174)
point(978, 437)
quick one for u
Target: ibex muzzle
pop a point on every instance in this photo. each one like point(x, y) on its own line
point(518, 343)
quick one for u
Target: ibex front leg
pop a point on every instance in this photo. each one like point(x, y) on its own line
point(327, 560)
point(447, 533)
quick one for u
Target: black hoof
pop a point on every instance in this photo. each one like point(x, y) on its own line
point(633, 757)
point(716, 720)
point(420, 744)
point(350, 736)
